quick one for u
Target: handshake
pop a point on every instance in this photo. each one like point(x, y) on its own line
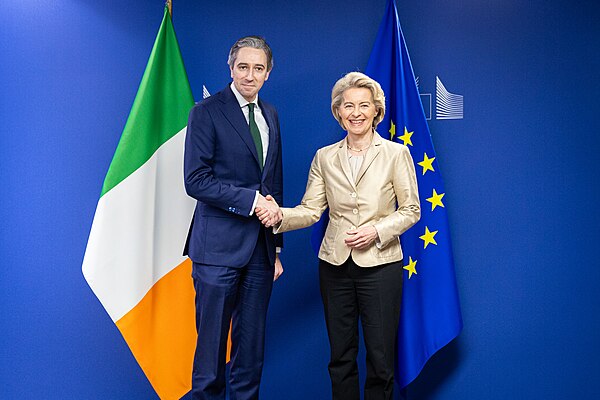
point(267, 210)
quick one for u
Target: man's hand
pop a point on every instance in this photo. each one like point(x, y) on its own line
point(268, 211)
point(361, 238)
point(278, 268)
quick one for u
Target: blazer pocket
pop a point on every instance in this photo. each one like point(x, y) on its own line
point(224, 235)
point(390, 251)
point(331, 233)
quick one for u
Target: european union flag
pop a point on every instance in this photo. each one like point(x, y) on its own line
point(430, 316)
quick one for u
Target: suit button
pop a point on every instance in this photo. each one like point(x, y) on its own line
point(353, 194)
point(355, 211)
point(352, 227)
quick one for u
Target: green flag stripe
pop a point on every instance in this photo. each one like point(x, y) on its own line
point(160, 108)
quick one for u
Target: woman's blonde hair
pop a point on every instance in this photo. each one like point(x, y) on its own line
point(357, 80)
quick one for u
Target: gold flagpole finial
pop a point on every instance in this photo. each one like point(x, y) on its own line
point(170, 6)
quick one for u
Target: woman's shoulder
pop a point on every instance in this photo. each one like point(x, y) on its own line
point(331, 148)
point(391, 146)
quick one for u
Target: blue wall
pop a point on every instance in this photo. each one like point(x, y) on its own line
point(520, 172)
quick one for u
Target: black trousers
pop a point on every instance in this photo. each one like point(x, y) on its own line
point(373, 294)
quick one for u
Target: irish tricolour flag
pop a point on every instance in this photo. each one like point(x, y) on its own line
point(133, 260)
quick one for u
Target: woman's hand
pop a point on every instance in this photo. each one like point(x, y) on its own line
point(361, 238)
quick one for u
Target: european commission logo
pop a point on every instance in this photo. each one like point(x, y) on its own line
point(447, 105)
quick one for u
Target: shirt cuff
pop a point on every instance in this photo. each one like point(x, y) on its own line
point(377, 240)
point(254, 204)
point(278, 250)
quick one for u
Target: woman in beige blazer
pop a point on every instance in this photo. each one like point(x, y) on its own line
point(370, 187)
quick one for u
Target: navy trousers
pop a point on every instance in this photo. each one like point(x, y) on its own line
point(240, 296)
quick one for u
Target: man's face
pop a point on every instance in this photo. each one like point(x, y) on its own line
point(249, 72)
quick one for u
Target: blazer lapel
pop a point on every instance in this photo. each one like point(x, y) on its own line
point(272, 135)
point(234, 114)
point(372, 153)
point(343, 159)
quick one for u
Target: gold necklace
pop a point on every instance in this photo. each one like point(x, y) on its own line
point(358, 150)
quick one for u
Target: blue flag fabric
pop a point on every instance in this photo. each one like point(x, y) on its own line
point(430, 315)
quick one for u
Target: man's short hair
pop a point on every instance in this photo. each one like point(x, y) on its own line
point(255, 42)
point(357, 80)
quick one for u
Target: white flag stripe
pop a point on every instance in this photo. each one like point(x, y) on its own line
point(139, 230)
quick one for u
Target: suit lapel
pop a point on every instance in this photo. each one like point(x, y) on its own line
point(372, 153)
point(343, 159)
point(272, 134)
point(234, 114)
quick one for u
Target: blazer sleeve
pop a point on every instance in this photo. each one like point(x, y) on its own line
point(407, 195)
point(313, 203)
point(278, 177)
point(199, 179)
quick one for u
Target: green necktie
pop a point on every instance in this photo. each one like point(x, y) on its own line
point(255, 133)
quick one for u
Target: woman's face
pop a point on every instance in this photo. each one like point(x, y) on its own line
point(357, 111)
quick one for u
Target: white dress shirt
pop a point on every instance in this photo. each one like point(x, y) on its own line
point(263, 128)
point(258, 117)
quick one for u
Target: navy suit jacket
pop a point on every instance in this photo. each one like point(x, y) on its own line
point(222, 172)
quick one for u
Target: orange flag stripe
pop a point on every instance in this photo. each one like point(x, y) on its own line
point(161, 333)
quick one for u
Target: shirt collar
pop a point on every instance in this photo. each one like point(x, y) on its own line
point(241, 100)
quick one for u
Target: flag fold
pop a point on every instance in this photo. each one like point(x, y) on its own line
point(430, 315)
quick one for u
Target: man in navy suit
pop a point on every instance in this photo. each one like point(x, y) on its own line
point(232, 163)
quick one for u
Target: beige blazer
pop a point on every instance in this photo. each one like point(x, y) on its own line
point(385, 195)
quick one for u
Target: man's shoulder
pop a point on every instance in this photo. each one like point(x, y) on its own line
point(210, 106)
point(215, 100)
point(266, 105)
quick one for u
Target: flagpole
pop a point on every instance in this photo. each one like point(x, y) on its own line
point(170, 7)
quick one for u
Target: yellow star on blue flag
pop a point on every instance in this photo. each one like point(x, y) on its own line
point(406, 137)
point(427, 163)
point(436, 200)
point(411, 267)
